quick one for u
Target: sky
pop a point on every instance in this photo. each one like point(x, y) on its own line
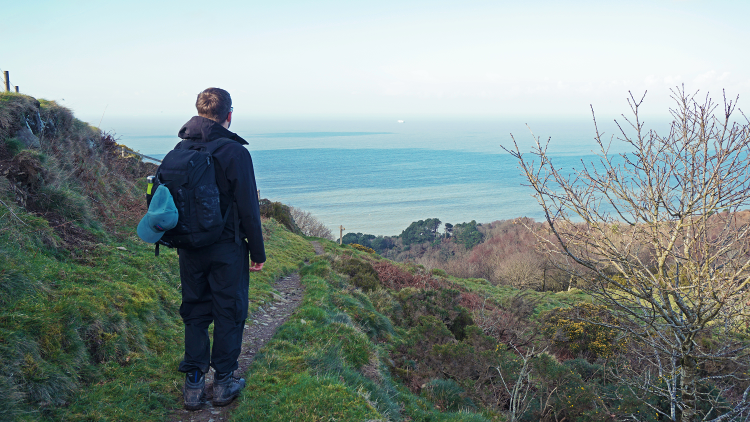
point(353, 59)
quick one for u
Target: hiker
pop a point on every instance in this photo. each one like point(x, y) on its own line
point(215, 277)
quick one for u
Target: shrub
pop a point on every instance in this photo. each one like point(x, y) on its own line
point(361, 273)
point(362, 248)
point(396, 278)
point(577, 332)
point(383, 301)
point(280, 213)
point(460, 322)
point(438, 272)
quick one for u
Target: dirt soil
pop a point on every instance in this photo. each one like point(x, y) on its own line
point(259, 329)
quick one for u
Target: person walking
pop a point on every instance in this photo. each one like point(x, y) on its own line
point(215, 278)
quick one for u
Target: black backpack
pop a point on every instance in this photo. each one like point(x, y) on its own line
point(189, 172)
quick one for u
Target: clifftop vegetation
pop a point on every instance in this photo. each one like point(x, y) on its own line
point(90, 329)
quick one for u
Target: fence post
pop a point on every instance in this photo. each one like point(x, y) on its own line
point(7, 80)
point(341, 234)
point(16, 88)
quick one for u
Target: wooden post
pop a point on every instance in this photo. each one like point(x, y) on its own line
point(7, 80)
point(341, 234)
point(123, 151)
point(16, 88)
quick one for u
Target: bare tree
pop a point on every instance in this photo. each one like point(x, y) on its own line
point(659, 237)
point(310, 225)
point(521, 270)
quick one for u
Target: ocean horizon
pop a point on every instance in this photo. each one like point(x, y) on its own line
point(377, 177)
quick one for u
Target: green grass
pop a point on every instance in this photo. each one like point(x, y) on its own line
point(75, 330)
point(327, 362)
point(100, 338)
point(544, 301)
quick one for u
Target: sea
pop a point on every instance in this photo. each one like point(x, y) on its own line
point(377, 176)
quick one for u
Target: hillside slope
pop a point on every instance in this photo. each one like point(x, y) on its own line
point(89, 322)
point(90, 329)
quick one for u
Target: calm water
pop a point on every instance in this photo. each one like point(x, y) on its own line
point(378, 176)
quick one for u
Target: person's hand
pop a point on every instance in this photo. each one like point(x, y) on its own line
point(256, 267)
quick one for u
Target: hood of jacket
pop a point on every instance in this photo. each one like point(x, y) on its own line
point(201, 129)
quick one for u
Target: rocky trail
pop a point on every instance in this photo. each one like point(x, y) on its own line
point(259, 328)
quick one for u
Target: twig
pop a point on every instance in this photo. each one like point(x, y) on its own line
point(100, 120)
point(14, 214)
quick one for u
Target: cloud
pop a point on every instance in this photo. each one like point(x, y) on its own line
point(709, 76)
point(673, 79)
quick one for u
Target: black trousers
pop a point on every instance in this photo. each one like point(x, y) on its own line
point(215, 281)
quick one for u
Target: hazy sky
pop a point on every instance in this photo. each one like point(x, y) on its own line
point(378, 58)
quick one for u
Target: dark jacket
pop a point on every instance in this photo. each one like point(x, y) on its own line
point(238, 184)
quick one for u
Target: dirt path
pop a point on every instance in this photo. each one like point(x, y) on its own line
point(261, 326)
point(318, 248)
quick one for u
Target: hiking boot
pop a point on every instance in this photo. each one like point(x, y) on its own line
point(194, 391)
point(226, 388)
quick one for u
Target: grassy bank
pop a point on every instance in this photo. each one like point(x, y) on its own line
point(89, 322)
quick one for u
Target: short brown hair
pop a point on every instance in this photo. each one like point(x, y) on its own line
point(214, 104)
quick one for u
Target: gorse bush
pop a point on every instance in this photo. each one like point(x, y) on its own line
point(362, 248)
point(583, 331)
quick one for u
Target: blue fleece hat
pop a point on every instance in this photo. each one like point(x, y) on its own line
point(161, 216)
